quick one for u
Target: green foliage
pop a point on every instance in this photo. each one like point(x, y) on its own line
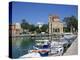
point(32, 28)
point(44, 28)
point(66, 29)
point(71, 22)
point(24, 24)
point(37, 29)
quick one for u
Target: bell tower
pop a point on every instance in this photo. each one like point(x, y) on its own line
point(55, 25)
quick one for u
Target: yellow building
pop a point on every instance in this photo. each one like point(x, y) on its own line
point(55, 25)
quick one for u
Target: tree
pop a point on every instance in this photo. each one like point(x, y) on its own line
point(44, 28)
point(24, 25)
point(32, 28)
point(37, 29)
point(71, 22)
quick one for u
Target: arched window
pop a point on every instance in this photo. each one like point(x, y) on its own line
point(56, 30)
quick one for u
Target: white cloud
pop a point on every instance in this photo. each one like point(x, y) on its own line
point(40, 23)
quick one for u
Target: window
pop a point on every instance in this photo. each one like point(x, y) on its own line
point(56, 30)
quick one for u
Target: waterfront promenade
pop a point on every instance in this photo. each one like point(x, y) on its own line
point(73, 49)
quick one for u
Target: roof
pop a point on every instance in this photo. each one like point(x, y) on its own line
point(55, 17)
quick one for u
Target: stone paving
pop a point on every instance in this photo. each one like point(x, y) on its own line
point(73, 49)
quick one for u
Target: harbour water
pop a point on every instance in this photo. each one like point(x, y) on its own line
point(21, 47)
point(22, 44)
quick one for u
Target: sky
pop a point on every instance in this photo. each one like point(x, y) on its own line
point(38, 13)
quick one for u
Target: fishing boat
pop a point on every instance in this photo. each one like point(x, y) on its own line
point(42, 47)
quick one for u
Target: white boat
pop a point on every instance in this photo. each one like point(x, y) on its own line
point(42, 46)
point(56, 48)
point(69, 35)
point(33, 54)
point(42, 42)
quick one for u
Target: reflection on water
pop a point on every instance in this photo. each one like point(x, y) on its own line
point(21, 47)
